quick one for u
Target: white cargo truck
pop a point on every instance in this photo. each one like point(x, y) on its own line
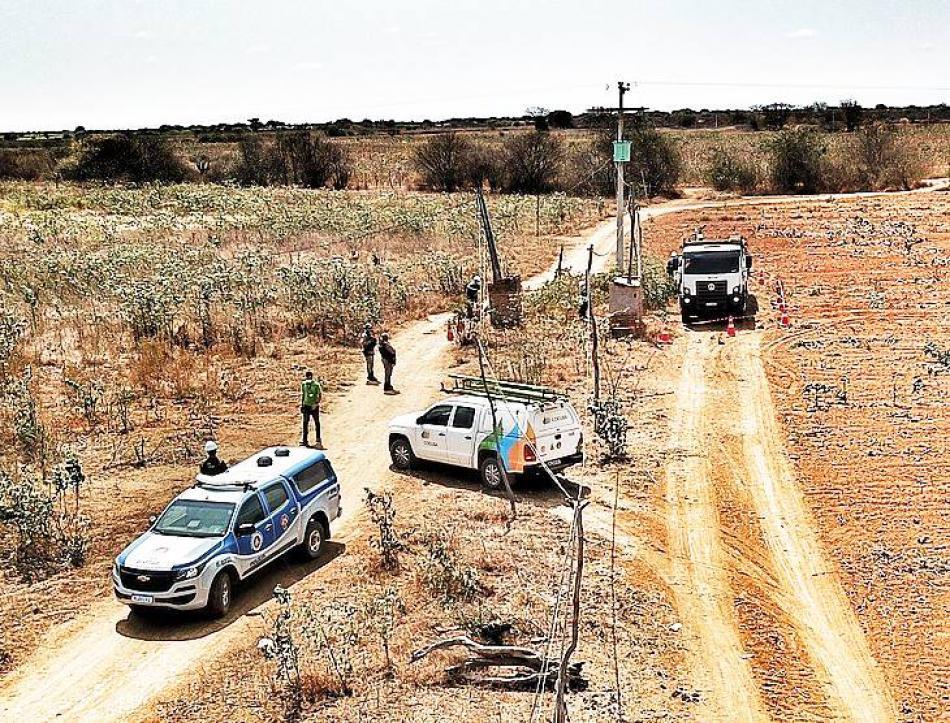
point(711, 277)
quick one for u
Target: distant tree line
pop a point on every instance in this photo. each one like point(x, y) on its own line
point(793, 158)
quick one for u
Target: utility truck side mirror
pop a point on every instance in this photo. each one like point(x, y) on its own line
point(245, 529)
point(152, 520)
point(748, 262)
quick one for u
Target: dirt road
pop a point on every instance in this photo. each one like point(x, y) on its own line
point(699, 571)
point(801, 579)
point(813, 596)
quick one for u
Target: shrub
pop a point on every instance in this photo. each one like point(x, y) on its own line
point(256, 164)
point(882, 162)
point(443, 573)
point(444, 162)
point(26, 165)
point(658, 287)
point(45, 518)
point(136, 158)
point(309, 160)
point(533, 162)
point(389, 543)
point(730, 171)
point(796, 161)
point(655, 163)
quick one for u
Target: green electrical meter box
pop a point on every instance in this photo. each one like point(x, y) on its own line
point(621, 151)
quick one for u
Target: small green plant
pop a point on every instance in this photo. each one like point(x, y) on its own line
point(384, 613)
point(442, 572)
point(610, 426)
point(390, 544)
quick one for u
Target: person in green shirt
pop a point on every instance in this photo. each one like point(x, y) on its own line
point(310, 395)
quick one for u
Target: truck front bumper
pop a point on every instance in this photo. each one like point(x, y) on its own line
point(183, 595)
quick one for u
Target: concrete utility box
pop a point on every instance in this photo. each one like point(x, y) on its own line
point(504, 298)
point(626, 307)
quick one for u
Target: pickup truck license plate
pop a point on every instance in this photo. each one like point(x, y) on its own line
point(143, 598)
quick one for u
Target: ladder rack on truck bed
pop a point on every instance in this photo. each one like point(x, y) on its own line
point(513, 391)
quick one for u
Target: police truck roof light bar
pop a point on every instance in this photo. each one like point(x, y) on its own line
point(512, 390)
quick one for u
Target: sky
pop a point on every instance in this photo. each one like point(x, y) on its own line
point(138, 63)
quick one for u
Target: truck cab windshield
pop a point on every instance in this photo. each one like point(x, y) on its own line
point(711, 262)
point(194, 518)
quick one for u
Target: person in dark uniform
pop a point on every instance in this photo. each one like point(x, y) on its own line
point(368, 341)
point(471, 294)
point(388, 355)
point(212, 465)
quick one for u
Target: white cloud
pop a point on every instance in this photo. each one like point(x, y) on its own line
point(802, 33)
point(310, 65)
point(927, 46)
point(258, 49)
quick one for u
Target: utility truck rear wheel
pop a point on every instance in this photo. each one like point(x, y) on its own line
point(401, 453)
point(490, 471)
point(219, 597)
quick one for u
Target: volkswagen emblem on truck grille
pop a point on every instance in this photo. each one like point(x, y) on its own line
point(711, 287)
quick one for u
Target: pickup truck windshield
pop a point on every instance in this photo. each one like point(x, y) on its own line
point(711, 262)
point(193, 518)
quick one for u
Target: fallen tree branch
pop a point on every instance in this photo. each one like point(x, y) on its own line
point(528, 665)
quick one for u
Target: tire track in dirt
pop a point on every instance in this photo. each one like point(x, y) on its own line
point(813, 596)
point(699, 568)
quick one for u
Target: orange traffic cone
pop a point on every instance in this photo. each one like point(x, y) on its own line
point(664, 337)
point(785, 322)
point(731, 327)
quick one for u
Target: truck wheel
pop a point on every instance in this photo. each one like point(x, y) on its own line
point(313, 539)
point(401, 453)
point(219, 597)
point(490, 472)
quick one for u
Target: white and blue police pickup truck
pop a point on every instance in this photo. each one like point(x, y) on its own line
point(227, 527)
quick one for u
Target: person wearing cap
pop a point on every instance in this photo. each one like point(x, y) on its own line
point(310, 394)
point(471, 294)
point(368, 341)
point(212, 465)
point(388, 355)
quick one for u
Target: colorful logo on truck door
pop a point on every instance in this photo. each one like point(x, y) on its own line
point(512, 445)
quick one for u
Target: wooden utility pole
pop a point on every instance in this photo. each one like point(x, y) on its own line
point(622, 88)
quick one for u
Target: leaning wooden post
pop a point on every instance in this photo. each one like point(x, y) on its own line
point(560, 706)
point(592, 320)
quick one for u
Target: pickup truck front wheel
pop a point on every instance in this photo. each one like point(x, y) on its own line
point(219, 597)
point(401, 452)
point(490, 472)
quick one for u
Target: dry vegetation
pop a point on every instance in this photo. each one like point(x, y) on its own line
point(136, 323)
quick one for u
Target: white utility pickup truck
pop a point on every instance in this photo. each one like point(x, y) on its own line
point(227, 527)
point(534, 429)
